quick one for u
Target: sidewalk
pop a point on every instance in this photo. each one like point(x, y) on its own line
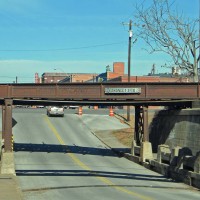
point(9, 189)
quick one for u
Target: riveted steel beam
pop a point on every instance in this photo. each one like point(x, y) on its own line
point(141, 124)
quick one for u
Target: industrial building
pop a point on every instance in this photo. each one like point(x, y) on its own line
point(117, 74)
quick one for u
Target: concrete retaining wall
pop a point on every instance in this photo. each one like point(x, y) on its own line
point(176, 128)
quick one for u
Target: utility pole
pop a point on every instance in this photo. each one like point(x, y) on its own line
point(129, 61)
point(129, 50)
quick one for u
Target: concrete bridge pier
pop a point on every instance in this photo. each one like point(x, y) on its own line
point(7, 125)
point(7, 158)
point(3, 123)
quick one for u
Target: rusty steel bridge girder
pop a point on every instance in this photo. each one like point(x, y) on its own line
point(102, 91)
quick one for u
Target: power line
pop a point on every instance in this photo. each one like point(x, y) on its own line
point(64, 49)
point(11, 77)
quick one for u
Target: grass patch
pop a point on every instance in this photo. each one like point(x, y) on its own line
point(124, 136)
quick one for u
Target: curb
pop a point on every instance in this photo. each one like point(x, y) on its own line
point(118, 116)
point(119, 153)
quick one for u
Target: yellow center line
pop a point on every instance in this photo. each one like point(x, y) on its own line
point(84, 166)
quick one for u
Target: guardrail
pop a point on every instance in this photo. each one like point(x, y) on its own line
point(177, 163)
point(179, 158)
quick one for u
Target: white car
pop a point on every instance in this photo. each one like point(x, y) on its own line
point(55, 111)
point(73, 107)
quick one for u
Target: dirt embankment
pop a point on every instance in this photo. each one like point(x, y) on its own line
point(125, 136)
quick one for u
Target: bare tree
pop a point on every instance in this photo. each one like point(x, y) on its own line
point(167, 30)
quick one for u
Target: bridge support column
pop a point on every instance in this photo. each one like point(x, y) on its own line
point(146, 147)
point(136, 137)
point(138, 123)
point(141, 124)
point(7, 157)
point(7, 130)
point(142, 133)
point(138, 131)
point(3, 122)
point(145, 124)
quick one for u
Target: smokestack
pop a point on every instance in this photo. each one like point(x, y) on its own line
point(37, 79)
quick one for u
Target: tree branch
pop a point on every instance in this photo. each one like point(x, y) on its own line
point(166, 31)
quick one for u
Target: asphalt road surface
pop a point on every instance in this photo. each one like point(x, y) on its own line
point(60, 158)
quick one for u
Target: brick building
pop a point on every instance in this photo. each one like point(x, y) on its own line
point(118, 70)
point(79, 77)
point(50, 77)
point(67, 77)
point(137, 79)
point(116, 75)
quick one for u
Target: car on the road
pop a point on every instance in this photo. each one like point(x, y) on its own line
point(55, 111)
point(73, 107)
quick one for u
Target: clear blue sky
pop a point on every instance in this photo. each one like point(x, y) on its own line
point(74, 36)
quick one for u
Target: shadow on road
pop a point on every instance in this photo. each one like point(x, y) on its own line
point(90, 173)
point(52, 148)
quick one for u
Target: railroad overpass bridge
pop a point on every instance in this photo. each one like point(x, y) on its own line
point(140, 95)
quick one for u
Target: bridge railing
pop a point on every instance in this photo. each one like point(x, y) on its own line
point(180, 158)
point(177, 163)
